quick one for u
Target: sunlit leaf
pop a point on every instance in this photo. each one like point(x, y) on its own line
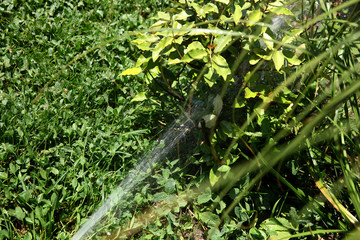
point(249, 93)
point(210, 7)
point(142, 60)
point(181, 16)
point(294, 60)
point(160, 46)
point(164, 16)
point(237, 14)
point(221, 66)
point(268, 41)
point(254, 59)
point(224, 168)
point(254, 17)
point(213, 178)
point(158, 23)
point(292, 36)
point(281, 11)
point(203, 10)
point(246, 5)
point(194, 54)
point(131, 71)
point(278, 59)
point(266, 57)
point(223, 1)
point(194, 45)
point(221, 42)
point(239, 104)
point(139, 97)
point(174, 61)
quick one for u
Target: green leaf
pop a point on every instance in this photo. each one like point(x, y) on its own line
point(221, 42)
point(142, 60)
point(203, 10)
point(292, 36)
point(257, 234)
point(278, 228)
point(174, 61)
point(249, 93)
point(194, 45)
point(194, 54)
point(209, 77)
point(181, 16)
point(268, 41)
point(160, 46)
point(291, 58)
point(209, 218)
point(254, 59)
point(55, 171)
point(266, 57)
point(139, 97)
point(224, 168)
point(300, 50)
point(246, 5)
point(278, 59)
point(160, 196)
point(144, 42)
point(227, 128)
point(195, 50)
point(3, 175)
point(210, 120)
point(159, 23)
point(237, 14)
point(221, 66)
point(164, 16)
point(170, 186)
point(213, 178)
point(239, 104)
point(54, 199)
point(294, 60)
point(281, 11)
point(254, 17)
point(223, 1)
point(19, 213)
point(131, 71)
point(204, 197)
point(210, 7)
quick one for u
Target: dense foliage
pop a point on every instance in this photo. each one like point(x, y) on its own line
point(282, 79)
point(85, 86)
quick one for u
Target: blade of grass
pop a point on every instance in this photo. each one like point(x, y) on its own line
point(326, 192)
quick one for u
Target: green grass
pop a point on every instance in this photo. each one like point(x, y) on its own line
point(61, 156)
point(70, 132)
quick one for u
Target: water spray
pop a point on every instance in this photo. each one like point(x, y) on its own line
point(112, 206)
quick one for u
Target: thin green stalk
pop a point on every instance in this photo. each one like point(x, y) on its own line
point(312, 233)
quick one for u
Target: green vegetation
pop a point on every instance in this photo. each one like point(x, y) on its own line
point(86, 88)
point(61, 156)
